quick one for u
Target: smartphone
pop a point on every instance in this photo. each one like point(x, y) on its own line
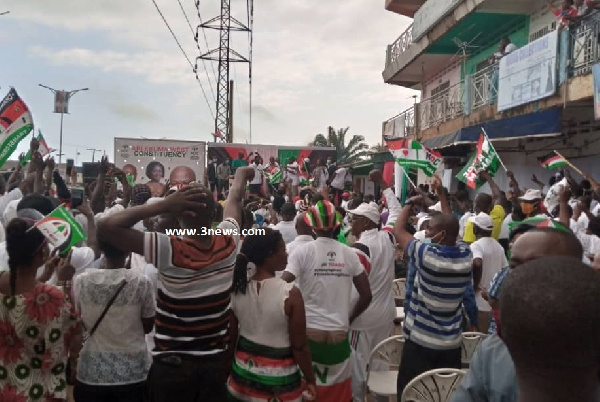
point(77, 194)
point(70, 164)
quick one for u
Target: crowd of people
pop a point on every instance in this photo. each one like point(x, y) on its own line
point(293, 313)
point(322, 174)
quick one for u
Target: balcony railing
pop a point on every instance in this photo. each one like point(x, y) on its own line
point(584, 45)
point(483, 87)
point(402, 125)
point(445, 105)
point(396, 49)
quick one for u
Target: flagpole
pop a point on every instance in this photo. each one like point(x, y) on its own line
point(408, 177)
point(488, 139)
point(571, 165)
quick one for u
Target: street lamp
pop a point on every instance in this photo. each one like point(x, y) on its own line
point(62, 108)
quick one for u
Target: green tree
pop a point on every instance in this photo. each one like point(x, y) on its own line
point(377, 148)
point(354, 151)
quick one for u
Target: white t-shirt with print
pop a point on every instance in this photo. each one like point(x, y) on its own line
point(339, 179)
point(324, 271)
point(494, 259)
point(293, 173)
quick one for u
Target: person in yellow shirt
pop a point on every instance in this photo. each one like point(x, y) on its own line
point(489, 205)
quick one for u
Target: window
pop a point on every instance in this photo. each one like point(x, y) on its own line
point(440, 88)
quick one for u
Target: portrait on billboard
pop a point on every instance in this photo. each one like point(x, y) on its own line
point(61, 102)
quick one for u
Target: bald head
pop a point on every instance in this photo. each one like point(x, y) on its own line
point(301, 227)
point(542, 242)
point(182, 175)
point(550, 315)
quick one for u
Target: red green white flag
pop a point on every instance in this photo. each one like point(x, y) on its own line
point(554, 162)
point(409, 153)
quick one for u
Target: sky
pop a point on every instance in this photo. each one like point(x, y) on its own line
point(315, 64)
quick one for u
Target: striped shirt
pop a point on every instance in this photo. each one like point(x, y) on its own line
point(193, 291)
point(443, 275)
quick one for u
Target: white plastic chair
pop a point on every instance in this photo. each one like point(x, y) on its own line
point(470, 343)
point(387, 352)
point(433, 386)
point(399, 289)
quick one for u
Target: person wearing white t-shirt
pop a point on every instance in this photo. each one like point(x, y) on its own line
point(287, 226)
point(337, 184)
point(325, 271)
point(488, 259)
point(256, 182)
point(376, 249)
point(293, 175)
point(305, 235)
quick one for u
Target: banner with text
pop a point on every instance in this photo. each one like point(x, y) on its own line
point(528, 74)
point(159, 163)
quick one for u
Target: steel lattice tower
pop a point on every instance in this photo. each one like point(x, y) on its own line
point(225, 55)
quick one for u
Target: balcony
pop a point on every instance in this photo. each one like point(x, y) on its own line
point(443, 106)
point(478, 92)
point(396, 49)
point(404, 7)
point(402, 125)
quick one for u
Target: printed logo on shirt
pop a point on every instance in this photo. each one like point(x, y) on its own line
point(331, 255)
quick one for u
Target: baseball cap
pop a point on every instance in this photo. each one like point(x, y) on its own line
point(483, 221)
point(323, 216)
point(369, 211)
point(531, 195)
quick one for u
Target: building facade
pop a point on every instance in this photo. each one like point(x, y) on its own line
point(531, 101)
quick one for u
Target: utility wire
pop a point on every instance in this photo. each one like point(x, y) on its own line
point(212, 90)
point(184, 54)
point(205, 39)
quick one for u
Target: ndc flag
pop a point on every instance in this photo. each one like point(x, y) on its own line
point(485, 158)
point(16, 123)
point(61, 229)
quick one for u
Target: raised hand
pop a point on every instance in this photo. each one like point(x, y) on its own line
point(104, 164)
point(187, 201)
point(376, 176)
point(51, 164)
point(34, 145)
point(64, 269)
point(436, 184)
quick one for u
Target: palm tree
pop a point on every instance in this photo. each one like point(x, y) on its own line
point(377, 148)
point(345, 154)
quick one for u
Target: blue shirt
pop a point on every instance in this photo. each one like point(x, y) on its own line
point(469, 302)
point(491, 376)
point(433, 307)
point(494, 293)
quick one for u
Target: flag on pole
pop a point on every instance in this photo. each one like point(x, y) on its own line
point(553, 161)
point(61, 229)
point(409, 153)
point(43, 150)
point(485, 158)
point(16, 123)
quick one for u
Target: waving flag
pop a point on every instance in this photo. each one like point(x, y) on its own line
point(16, 123)
point(43, 150)
point(61, 229)
point(409, 153)
point(273, 174)
point(553, 161)
point(485, 158)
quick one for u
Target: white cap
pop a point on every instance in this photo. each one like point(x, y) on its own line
point(531, 195)
point(483, 221)
point(368, 211)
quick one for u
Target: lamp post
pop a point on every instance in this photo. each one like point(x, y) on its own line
point(62, 109)
point(94, 150)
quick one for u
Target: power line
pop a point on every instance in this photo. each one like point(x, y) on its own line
point(184, 54)
point(212, 90)
point(205, 39)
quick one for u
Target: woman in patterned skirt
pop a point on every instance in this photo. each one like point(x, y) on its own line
point(268, 328)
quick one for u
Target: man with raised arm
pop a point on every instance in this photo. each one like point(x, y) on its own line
point(195, 275)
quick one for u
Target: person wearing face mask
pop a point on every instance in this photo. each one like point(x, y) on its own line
point(443, 271)
point(212, 174)
point(531, 204)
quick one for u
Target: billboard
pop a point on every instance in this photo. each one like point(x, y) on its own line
point(61, 102)
point(223, 151)
point(529, 73)
point(159, 163)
